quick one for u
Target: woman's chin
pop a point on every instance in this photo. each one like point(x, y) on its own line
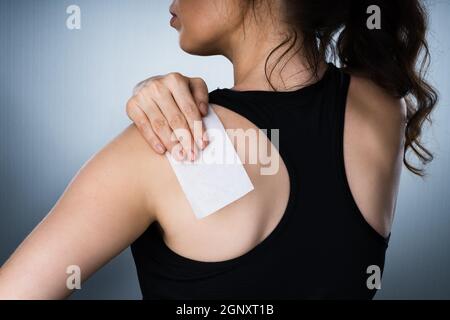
point(196, 48)
point(190, 48)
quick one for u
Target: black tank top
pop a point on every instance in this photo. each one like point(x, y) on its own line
point(322, 247)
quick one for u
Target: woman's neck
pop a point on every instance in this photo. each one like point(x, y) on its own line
point(249, 50)
point(291, 72)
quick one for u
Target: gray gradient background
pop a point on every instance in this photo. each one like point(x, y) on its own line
point(62, 97)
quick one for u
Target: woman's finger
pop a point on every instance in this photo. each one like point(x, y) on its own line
point(138, 116)
point(158, 121)
point(199, 91)
point(184, 98)
point(176, 120)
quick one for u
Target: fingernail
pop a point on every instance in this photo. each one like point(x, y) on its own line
point(205, 139)
point(181, 154)
point(201, 143)
point(204, 108)
point(159, 148)
point(192, 155)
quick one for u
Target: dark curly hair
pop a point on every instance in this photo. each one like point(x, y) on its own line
point(395, 57)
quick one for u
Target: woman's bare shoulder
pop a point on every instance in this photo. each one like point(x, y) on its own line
point(152, 171)
point(376, 101)
point(377, 117)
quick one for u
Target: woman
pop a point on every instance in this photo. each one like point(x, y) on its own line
point(317, 228)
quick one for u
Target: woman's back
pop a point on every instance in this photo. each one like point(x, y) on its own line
point(299, 234)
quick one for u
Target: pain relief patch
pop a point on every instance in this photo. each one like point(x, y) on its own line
point(217, 177)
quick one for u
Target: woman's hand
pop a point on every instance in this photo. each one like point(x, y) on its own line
point(168, 110)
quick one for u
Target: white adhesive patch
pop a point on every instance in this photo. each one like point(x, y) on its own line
point(217, 177)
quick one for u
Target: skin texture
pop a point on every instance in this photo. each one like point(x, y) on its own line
point(121, 190)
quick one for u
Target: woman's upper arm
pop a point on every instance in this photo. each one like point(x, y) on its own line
point(104, 209)
point(373, 148)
